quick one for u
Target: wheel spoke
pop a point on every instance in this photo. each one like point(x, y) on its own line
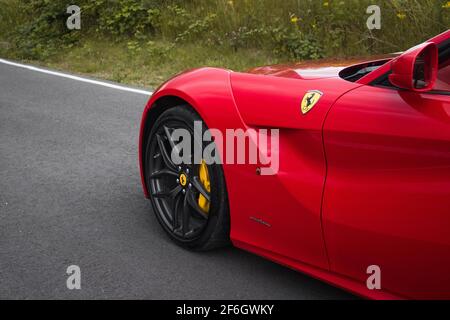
point(186, 217)
point(171, 194)
point(173, 146)
point(175, 215)
point(169, 137)
point(200, 188)
point(163, 172)
point(193, 203)
point(165, 155)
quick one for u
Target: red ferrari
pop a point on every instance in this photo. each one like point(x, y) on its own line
point(360, 194)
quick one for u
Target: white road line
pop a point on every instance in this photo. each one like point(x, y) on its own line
point(69, 76)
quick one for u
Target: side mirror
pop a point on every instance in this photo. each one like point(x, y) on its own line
point(416, 69)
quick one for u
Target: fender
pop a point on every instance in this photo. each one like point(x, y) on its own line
point(208, 91)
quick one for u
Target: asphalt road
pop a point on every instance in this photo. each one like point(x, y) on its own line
point(70, 194)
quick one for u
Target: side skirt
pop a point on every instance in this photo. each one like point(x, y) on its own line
point(334, 279)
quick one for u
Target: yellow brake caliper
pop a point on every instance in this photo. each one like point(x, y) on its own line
point(204, 179)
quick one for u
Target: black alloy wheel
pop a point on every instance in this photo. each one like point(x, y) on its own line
point(189, 199)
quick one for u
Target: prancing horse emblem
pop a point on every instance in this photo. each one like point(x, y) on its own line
point(310, 99)
point(183, 179)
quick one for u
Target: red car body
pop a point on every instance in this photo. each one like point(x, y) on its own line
point(364, 177)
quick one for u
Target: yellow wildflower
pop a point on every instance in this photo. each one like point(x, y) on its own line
point(447, 5)
point(401, 16)
point(294, 19)
point(326, 4)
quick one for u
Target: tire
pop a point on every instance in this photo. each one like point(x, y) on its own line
point(199, 232)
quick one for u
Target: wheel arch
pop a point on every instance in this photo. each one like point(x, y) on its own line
point(154, 109)
point(207, 91)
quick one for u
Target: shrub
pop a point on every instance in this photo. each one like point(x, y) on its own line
point(292, 29)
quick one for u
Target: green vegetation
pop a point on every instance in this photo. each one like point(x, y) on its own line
point(144, 42)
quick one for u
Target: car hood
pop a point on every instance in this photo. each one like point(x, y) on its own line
point(316, 69)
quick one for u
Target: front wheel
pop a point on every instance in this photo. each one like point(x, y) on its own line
point(189, 199)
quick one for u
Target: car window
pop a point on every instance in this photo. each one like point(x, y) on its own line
point(443, 79)
point(443, 76)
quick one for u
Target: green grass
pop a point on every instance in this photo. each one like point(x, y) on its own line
point(145, 42)
point(116, 62)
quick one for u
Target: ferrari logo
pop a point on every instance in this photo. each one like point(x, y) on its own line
point(183, 179)
point(310, 100)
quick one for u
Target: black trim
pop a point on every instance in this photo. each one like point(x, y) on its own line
point(438, 92)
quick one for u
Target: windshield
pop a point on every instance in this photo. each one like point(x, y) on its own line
point(356, 72)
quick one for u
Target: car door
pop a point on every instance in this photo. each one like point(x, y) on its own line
point(387, 194)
